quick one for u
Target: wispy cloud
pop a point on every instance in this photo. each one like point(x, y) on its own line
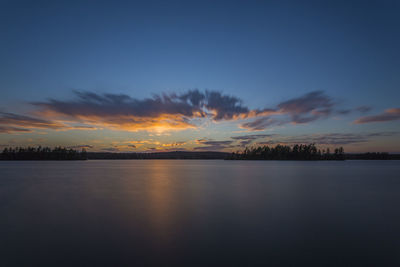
point(110, 149)
point(328, 139)
point(303, 109)
point(363, 109)
point(261, 124)
point(212, 145)
point(308, 107)
point(8, 129)
point(388, 115)
point(80, 146)
point(251, 136)
point(248, 139)
point(145, 145)
point(174, 144)
point(27, 121)
point(12, 123)
point(360, 109)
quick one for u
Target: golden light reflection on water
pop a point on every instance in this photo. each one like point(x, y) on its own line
point(160, 200)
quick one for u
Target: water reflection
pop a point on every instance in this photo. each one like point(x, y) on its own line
point(207, 213)
point(161, 209)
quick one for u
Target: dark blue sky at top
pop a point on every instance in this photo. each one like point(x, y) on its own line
point(261, 51)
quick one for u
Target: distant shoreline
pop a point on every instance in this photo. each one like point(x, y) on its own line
point(208, 155)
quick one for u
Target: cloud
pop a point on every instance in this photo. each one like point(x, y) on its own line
point(127, 145)
point(175, 144)
point(251, 136)
point(303, 109)
point(80, 146)
point(273, 139)
point(248, 139)
point(363, 109)
point(159, 113)
point(8, 130)
point(211, 145)
point(12, 123)
point(328, 139)
point(260, 124)
point(123, 112)
point(388, 115)
point(344, 111)
point(224, 106)
point(165, 112)
point(308, 107)
point(27, 122)
point(110, 149)
point(173, 149)
point(78, 127)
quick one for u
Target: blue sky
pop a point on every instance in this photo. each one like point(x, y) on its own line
point(259, 52)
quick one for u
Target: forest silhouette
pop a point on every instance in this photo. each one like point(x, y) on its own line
point(284, 152)
point(42, 153)
point(279, 152)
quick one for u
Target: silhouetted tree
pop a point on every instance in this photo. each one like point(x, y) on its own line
point(41, 153)
point(283, 152)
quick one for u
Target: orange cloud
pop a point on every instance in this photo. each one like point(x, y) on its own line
point(159, 114)
point(174, 144)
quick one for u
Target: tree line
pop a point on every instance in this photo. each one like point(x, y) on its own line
point(279, 152)
point(42, 153)
point(284, 152)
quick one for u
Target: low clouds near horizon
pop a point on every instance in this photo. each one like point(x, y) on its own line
point(212, 145)
point(327, 138)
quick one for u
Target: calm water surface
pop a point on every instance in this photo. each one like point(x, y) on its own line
point(200, 213)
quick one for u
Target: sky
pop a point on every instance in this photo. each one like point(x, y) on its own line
point(142, 76)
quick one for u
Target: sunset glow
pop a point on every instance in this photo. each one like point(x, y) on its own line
point(307, 85)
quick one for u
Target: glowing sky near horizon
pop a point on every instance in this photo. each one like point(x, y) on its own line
point(200, 75)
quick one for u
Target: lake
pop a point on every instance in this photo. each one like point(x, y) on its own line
point(200, 213)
